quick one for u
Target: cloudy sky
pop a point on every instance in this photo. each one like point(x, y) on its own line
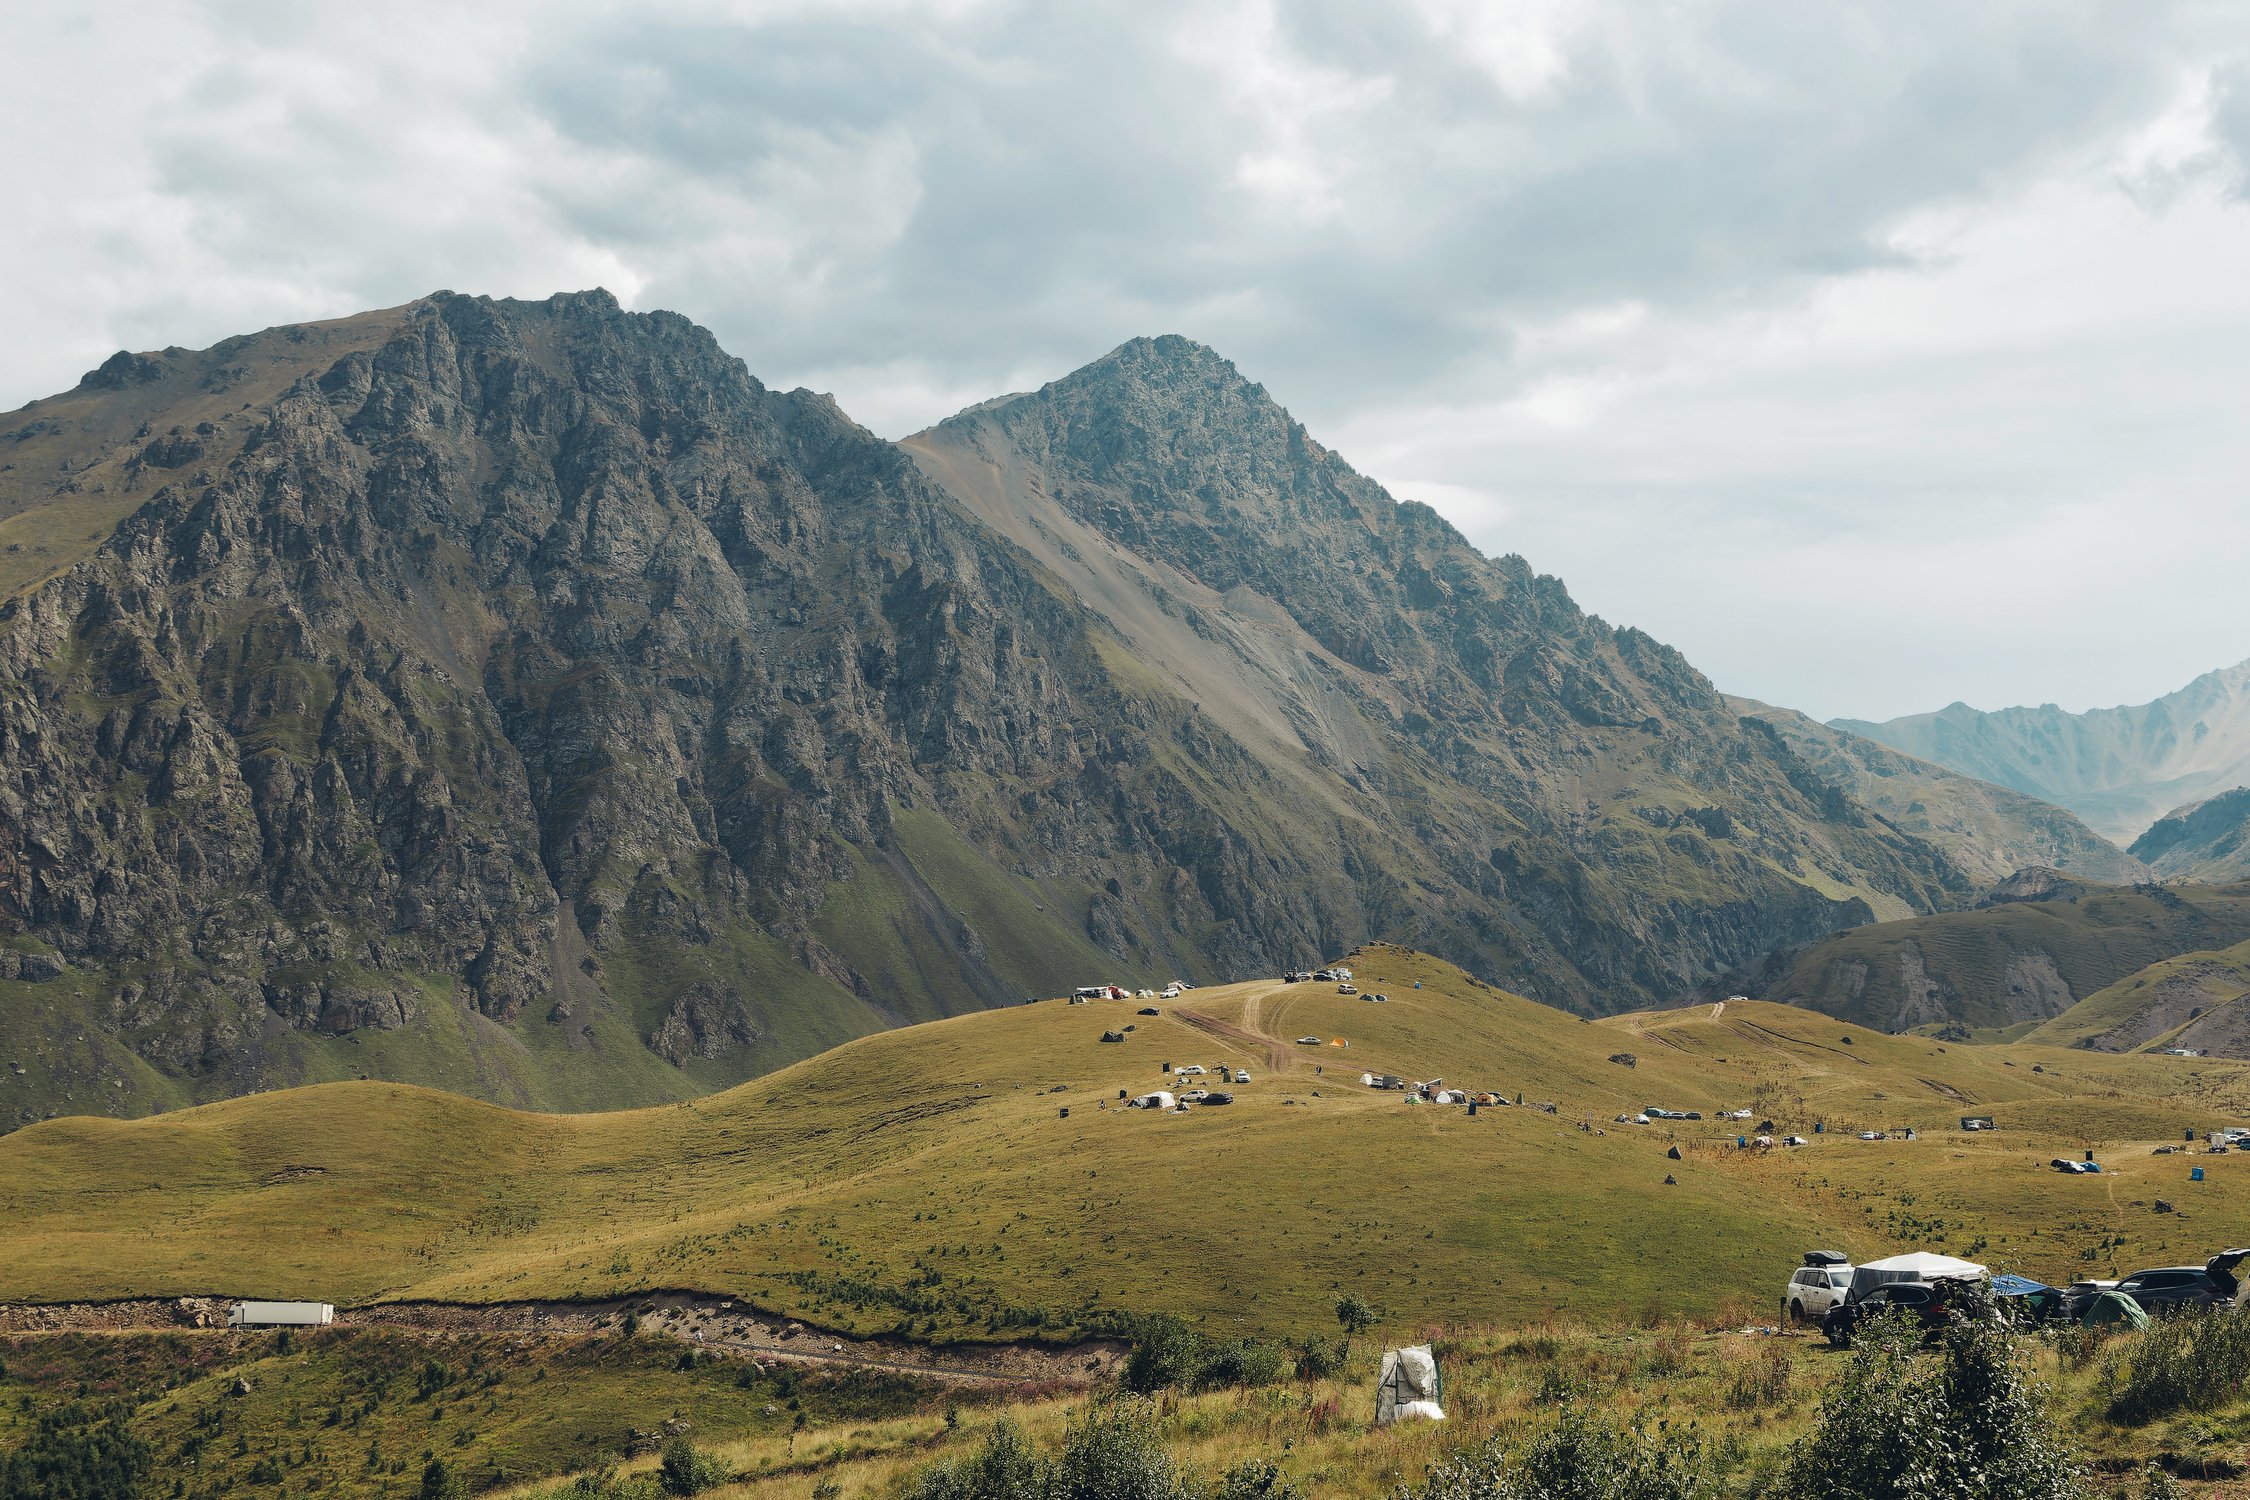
point(1877, 355)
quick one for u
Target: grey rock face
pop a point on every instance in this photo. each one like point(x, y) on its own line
point(531, 669)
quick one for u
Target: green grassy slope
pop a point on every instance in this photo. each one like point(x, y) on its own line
point(2004, 964)
point(926, 1181)
point(2152, 1006)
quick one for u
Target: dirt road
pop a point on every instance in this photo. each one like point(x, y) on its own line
point(694, 1319)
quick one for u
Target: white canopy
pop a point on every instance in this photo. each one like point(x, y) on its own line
point(1918, 1265)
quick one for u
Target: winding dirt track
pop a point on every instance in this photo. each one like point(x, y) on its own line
point(701, 1321)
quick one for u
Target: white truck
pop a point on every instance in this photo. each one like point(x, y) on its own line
point(281, 1315)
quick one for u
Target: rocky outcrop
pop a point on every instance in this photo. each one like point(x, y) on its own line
point(2207, 840)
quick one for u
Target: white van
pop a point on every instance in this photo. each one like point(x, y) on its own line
point(1813, 1290)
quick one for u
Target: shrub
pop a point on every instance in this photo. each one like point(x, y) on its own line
point(1254, 1479)
point(2190, 1362)
point(77, 1451)
point(1007, 1468)
point(687, 1470)
point(441, 1483)
point(1110, 1452)
point(1968, 1426)
point(1317, 1359)
point(1239, 1362)
point(1355, 1313)
point(1578, 1457)
point(1166, 1352)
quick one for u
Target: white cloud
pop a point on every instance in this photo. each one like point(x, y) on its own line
point(1873, 359)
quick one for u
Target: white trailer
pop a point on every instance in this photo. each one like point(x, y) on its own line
point(281, 1315)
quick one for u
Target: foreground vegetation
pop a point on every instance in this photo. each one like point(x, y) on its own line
point(1562, 1411)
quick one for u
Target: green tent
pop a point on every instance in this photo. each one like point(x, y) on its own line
point(2113, 1310)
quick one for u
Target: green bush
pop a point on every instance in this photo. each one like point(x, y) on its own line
point(1240, 1362)
point(1007, 1468)
point(1318, 1359)
point(78, 1453)
point(1110, 1452)
point(1167, 1354)
point(2193, 1361)
point(1254, 1479)
point(1355, 1313)
point(1578, 1457)
point(1968, 1425)
point(687, 1470)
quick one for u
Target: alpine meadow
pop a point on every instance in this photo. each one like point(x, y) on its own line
point(732, 863)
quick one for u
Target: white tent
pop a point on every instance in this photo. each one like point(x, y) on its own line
point(1158, 1100)
point(1409, 1386)
point(1920, 1265)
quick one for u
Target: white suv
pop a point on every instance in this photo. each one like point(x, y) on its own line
point(1813, 1290)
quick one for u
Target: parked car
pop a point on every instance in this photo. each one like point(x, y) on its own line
point(1241, 1075)
point(1150, 1010)
point(1194, 1070)
point(2167, 1289)
point(1221, 1098)
point(1937, 1305)
point(1347, 989)
point(1195, 1096)
point(1308, 1041)
point(1812, 1291)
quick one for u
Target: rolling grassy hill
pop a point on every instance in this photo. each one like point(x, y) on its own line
point(2195, 1000)
point(926, 1181)
point(2034, 949)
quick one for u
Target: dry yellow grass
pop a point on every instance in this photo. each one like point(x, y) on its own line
point(924, 1181)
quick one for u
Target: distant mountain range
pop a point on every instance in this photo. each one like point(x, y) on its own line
point(2120, 769)
point(521, 698)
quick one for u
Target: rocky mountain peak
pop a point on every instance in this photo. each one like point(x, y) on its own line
point(526, 681)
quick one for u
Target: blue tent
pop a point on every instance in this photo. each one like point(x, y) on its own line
point(2028, 1300)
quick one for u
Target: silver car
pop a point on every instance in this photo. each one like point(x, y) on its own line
point(1813, 1290)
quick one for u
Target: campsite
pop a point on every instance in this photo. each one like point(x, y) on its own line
point(984, 1179)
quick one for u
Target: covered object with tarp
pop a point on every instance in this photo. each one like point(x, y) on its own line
point(1410, 1386)
point(1920, 1265)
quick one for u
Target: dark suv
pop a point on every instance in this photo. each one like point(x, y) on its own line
point(2167, 1289)
point(1936, 1304)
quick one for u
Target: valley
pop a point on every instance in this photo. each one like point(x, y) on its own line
point(929, 1183)
point(843, 1272)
